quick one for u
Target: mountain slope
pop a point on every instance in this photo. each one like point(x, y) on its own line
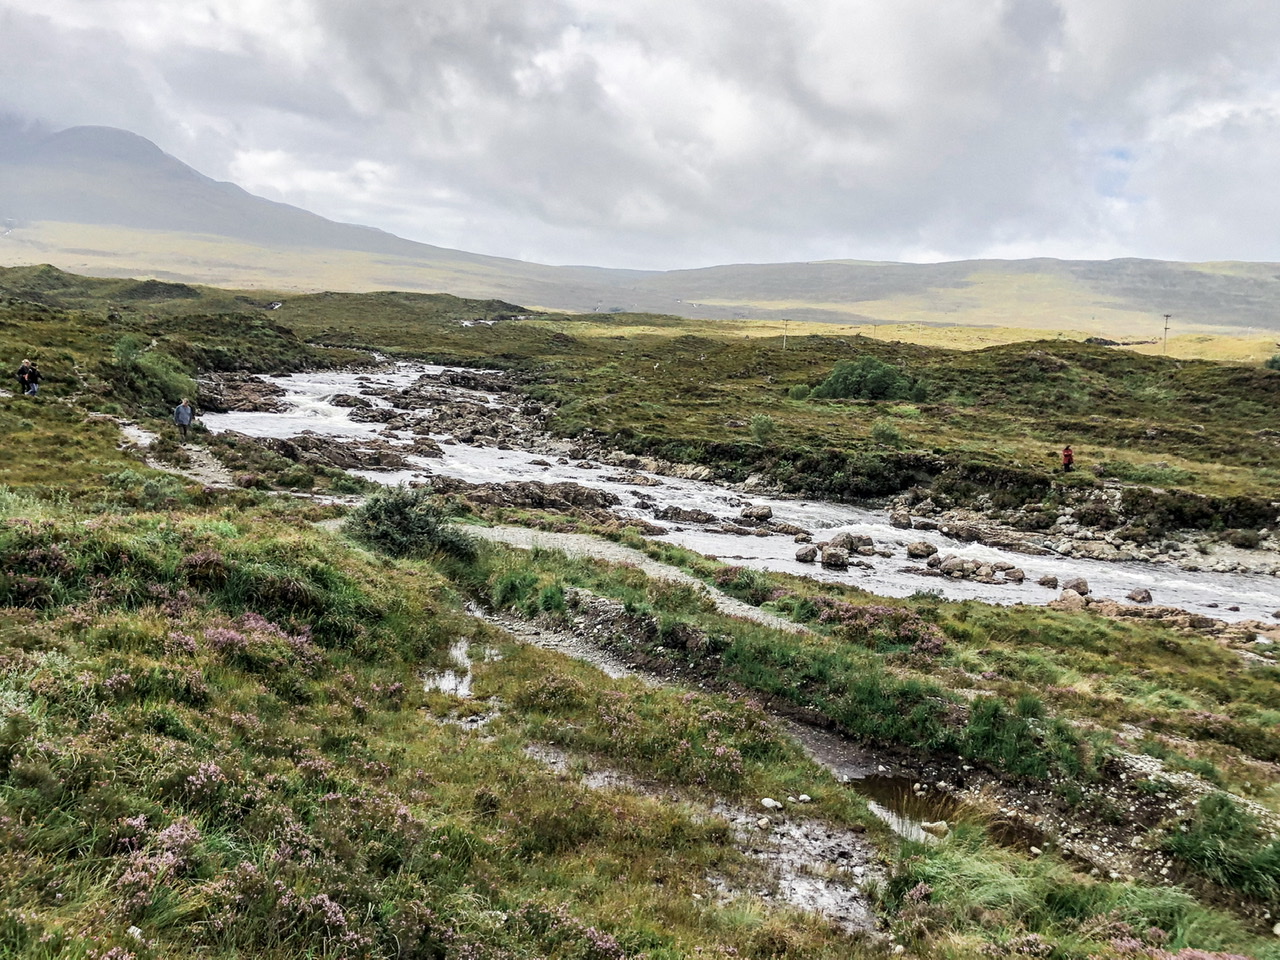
point(104, 201)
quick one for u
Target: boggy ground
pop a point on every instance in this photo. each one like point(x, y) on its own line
point(1141, 793)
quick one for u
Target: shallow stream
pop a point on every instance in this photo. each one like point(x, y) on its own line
point(309, 410)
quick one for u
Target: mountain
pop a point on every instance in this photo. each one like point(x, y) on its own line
point(104, 201)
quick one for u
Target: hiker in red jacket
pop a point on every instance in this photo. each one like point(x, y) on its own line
point(1068, 459)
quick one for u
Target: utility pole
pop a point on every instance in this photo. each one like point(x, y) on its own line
point(1166, 332)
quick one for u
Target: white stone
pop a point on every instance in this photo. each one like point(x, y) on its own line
point(804, 798)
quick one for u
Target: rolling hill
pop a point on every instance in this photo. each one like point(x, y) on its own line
point(107, 202)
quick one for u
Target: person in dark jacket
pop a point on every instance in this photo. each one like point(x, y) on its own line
point(1068, 459)
point(33, 380)
point(21, 375)
point(182, 416)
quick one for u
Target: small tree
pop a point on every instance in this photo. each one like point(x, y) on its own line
point(1273, 363)
point(763, 427)
point(867, 378)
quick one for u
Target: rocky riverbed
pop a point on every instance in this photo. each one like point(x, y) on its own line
point(476, 432)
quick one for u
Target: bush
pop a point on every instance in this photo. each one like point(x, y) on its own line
point(799, 392)
point(142, 374)
point(882, 431)
point(868, 378)
point(405, 522)
point(1273, 363)
point(763, 427)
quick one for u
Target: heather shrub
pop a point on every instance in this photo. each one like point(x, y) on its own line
point(405, 522)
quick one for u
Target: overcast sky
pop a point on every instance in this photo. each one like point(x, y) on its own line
point(677, 133)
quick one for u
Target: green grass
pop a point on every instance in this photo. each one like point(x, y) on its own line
point(213, 723)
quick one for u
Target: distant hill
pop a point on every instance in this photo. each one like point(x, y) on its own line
point(107, 202)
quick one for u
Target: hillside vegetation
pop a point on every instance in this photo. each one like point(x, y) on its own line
point(215, 737)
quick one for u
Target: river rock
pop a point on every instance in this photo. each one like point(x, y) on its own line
point(1140, 595)
point(364, 454)
point(835, 558)
point(1015, 574)
point(756, 514)
point(804, 537)
point(1079, 584)
point(850, 542)
point(807, 554)
point(787, 529)
point(530, 493)
point(900, 519)
point(919, 524)
point(347, 400)
point(1048, 580)
point(683, 515)
point(1069, 600)
point(936, 828)
point(220, 392)
point(921, 549)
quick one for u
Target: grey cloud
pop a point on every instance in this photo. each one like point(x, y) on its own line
point(665, 134)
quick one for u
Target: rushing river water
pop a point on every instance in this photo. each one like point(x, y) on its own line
point(309, 410)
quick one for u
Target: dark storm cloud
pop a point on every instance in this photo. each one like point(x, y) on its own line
point(665, 134)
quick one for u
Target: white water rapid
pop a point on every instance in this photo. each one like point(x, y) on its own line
point(309, 410)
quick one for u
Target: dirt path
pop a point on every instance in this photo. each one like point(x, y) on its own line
point(204, 467)
point(598, 548)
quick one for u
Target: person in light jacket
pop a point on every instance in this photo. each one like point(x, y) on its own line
point(182, 416)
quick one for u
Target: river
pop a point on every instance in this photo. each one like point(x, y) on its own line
point(308, 409)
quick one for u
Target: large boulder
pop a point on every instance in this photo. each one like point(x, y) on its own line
point(850, 542)
point(835, 558)
point(1079, 584)
point(1070, 600)
point(921, 549)
point(681, 515)
point(807, 554)
point(1140, 595)
point(900, 519)
point(756, 514)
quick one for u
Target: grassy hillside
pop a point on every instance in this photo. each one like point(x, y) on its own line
point(215, 738)
point(689, 390)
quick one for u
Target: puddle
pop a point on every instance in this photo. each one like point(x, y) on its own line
point(457, 682)
point(894, 799)
point(807, 864)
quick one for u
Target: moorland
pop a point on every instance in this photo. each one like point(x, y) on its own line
point(217, 739)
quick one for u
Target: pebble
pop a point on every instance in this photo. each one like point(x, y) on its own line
point(770, 804)
point(804, 798)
